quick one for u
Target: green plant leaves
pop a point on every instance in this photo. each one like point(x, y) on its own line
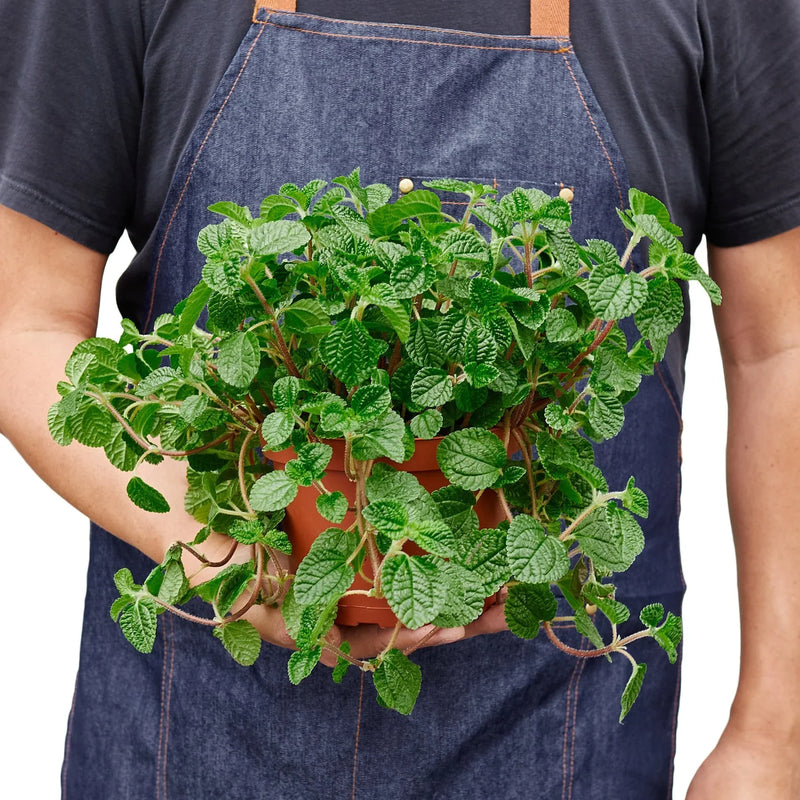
point(431, 387)
point(397, 681)
point(241, 640)
point(632, 689)
point(413, 588)
point(350, 352)
point(325, 574)
point(533, 555)
point(332, 506)
point(527, 606)
point(302, 663)
point(280, 236)
point(273, 491)
point(614, 293)
point(138, 623)
point(472, 458)
point(146, 496)
point(238, 358)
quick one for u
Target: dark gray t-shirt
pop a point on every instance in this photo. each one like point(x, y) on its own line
point(97, 101)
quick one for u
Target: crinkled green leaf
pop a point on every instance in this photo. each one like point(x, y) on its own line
point(332, 506)
point(606, 416)
point(238, 359)
point(302, 663)
point(370, 401)
point(533, 555)
point(471, 458)
point(397, 681)
point(387, 516)
point(651, 615)
point(381, 437)
point(527, 605)
point(413, 588)
point(273, 491)
point(138, 622)
point(325, 574)
point(146, 496)
point(434, 536)
point(427, 424)
point(431, 387)
point(241, 640)
point(280, 236)
point(276, 429)
point(350, 352)
point(561, 326)
point(631, 690)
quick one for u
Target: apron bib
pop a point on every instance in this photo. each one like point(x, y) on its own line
point(308, 97)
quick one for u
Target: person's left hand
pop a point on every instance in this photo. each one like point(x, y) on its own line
point(749, 764)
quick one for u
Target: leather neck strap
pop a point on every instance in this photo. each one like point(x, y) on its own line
point(548, 17)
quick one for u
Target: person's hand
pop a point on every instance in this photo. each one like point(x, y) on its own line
point(749, 763)
point(366, 641)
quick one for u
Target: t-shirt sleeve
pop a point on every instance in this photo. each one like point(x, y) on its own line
point(70, 104)
point(752, 92)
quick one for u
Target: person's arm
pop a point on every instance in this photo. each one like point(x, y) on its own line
point(49, 302)
point(758, 325)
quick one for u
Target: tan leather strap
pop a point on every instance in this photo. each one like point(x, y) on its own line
point(276, 5)
point(548, 17)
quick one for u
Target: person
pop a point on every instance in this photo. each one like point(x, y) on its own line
point(136, 116)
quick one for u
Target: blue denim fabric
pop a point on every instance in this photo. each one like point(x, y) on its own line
point(309, 97)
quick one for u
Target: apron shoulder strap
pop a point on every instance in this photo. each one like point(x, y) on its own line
point(548, 17)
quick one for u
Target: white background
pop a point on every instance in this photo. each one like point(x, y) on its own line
point(40, 647)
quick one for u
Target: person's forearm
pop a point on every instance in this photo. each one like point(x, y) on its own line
point(31, 363)
point(763, 462)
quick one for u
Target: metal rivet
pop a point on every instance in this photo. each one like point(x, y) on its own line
point(590, 608)
point(405, 185)
point(567, 194)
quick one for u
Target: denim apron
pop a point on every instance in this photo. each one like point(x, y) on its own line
point(308, 97)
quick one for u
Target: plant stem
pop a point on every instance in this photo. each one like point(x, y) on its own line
point(525, 448)
point(506, 508)
point(279, 340)
point(242, 484)
point(601, 651)
point(203, 560)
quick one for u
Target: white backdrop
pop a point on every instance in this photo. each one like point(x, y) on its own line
point(40, 649)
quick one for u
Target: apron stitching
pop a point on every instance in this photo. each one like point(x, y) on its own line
point(191, 173)
point(401, 27)
point(674, 731)
point(566, 730)
point(358, 732)
point(597, 132)
point(69, 742)
point(161, 715)
point(171, 624)
point(669, 395)
point(567, 49)
point(584, 641)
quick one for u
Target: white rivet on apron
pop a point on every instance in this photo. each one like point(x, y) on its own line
point(566, 194)
point(405, 185)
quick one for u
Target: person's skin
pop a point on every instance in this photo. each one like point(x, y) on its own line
point(49, 302)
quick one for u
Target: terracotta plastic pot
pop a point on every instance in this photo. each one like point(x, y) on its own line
point(303, 523)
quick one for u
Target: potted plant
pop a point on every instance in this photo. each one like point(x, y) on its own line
point(415, 392)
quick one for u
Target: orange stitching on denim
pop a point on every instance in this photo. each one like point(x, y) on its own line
point(597, 132)
point(400, 26)
point(161, 714)
point(567, 49)
point(674, 732)
point(189, 177)
point(69, 742)
point(358, 733)
point(584, 641)
point(672, 401)
point(171, 623)
point(566, 727)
